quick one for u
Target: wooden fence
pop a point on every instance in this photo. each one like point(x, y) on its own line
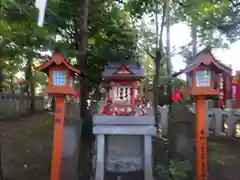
point(13, 106)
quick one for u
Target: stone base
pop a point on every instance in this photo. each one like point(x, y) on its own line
point(135, 175)
point(229, 103)
point(112, 155)
point(70, 154)
point(124, 153)
point(123, 146)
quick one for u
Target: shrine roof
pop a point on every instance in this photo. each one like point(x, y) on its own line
point(111, 71)
point(206, 58)
point(57, 59)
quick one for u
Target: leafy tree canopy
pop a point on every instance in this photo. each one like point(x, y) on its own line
point(112, 38)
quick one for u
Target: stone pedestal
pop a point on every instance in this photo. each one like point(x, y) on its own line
point(70, 153)
point(231, 121)
point(229, 103)
point(123, 144)
point(164, 119)
point(123, 153)
point(218, 115)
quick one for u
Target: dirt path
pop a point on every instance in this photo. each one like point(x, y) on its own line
point(26, 147)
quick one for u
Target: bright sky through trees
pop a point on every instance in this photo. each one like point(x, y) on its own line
point(180, 35)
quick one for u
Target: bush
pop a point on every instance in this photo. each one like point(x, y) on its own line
point(176, 170)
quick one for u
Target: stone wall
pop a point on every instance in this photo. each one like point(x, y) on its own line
point(214, 119)
point(72, 111)
point(12, 106)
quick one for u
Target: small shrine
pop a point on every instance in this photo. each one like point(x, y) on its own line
point(124, 91)
point(122, 128)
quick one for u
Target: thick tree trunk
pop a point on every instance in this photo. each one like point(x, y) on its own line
point(159, 55)
point(168, 51)
point(82, 58)
point(30, 87)
point(155, 88)
point(86, 140)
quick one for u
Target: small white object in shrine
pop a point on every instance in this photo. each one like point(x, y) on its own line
point(41, 6)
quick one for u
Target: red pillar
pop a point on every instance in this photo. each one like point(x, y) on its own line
point(57, 138)
point(201, 142)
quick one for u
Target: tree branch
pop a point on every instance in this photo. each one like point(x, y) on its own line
point(162, 26)
point(234, 4)
point(215, 24)
point(148, 53)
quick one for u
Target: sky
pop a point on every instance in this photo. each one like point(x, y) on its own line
point(180, 35)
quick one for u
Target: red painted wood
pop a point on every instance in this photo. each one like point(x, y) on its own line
point(57, 139)
point(124, 69)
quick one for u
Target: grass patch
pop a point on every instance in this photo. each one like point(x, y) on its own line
point(37, 128)
point(220, 153)
point(31, 127)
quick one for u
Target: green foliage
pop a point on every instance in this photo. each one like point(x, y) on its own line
point(220, 16)
point(138, 8)
point(112, 38)
point(176, 170)
point(112, 35)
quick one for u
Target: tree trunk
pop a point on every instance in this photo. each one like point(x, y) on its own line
point(168, 51)
point(32, 94)
point(82, 58)
point(168, 25)
point(11, 83)
point(159, 55)
point(157, 28)
point(194, 45)
point(53, 104)
point(155, 88)
point(86, 140)
point(1, 81)
point(30, 87)
point(194, 38)
point(1, 75)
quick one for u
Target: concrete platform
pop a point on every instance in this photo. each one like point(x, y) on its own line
point(123, 146)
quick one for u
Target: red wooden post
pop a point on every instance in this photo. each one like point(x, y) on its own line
point(201, 145)
point(57, 138)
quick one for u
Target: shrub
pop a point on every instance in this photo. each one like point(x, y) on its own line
point(176, 170)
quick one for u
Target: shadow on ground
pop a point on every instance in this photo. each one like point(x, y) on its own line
point(26, 147)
